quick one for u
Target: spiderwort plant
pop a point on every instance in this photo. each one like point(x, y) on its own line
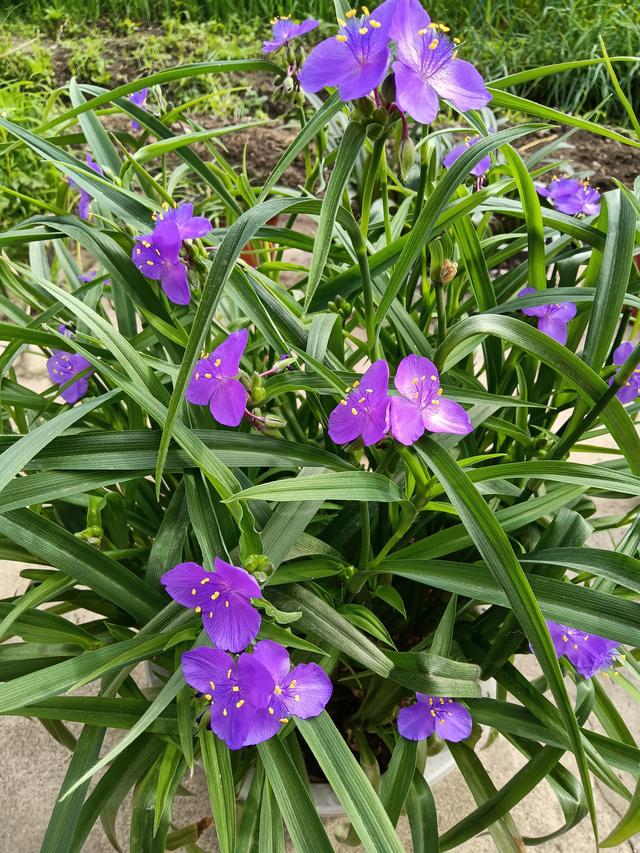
point(139, 98)
point(631, 388)
point(294, 586)
point(285, 30)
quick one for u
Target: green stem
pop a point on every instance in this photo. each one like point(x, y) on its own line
point(441, 311)
point(384, 191)
point(366, 535)
point(367, 193)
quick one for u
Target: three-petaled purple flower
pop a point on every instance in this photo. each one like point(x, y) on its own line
point(284, 30)
point(435, 714)
point(63, 367)
point(571, 196)
point(480, 168)
point(214, 381)
point(421, 405)
point(552, 318)
point(589, 653)
point(251, 698)
point(356, 59)
point(427, 66)
point(222, 598)
point(85, 197)
point(631, 388)
point(363, 413)
point(138, 98)
point(157, 256)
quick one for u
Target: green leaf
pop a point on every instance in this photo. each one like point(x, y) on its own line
point(97, 137)
point(397, 779)
point(423, 818)
point(350, 147)
point(222, 796)
point(293, 798)
point(351, 786)
point(349, 486)
point(494, 547)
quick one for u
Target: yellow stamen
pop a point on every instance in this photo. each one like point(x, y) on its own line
point(235, 688)
point(240, 703)
point(423, 31)
point(204, 580)
point(229, 673)
point(271, 711)
point(342, 22)
point(198, 609)
point(215, 596)
point(211, 614)
point(354, 411)
point(217, 362)
point(293, 684)
point(224, 712)
point(193, 591)
point(351, 13)
point(212, 685)
point(375, 24)
point(226, 604)
point(149, 263)
point(434, 44)
point(365, 11)
point(363, 31)
point(343, 402)
point(277, 690)
point(341, 38)
point(208, 697)
point(297, 698)
point(283, 720)
point(362, 399)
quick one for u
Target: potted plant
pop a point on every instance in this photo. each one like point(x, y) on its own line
point(325, 513)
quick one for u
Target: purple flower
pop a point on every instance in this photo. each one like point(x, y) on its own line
point(364, 411)
point(138, 98)
point(214, 381)
point(421, 405)
point(434, 714)
point(65, 331)
point(235, 689)
point(189, 226)
point(157, 256)
point(64, 366)
point(254, 696)
point(356, 59)
point(427, 67)
point(587, 652)
point(552, 318)
point(89, 276)
point(299, 692)
point(571, 196)
point(223, 598)
point(631, 388)
point(85, 197)
point(284, 30)
point(480, 168)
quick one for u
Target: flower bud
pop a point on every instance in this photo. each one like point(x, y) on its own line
point(288, 85)
point(380, 116)
point(387, 90)
point(406, 157)
point(375, 131)
point(448, 271)
point(258, 395)
point(365, 107)
point(258, 563)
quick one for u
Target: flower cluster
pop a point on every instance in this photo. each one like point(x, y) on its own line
point(254, 695)
point(435, 715)
point(426, 65)
point(64, 370)
point(571, 196)
point(553, 318)
point(587, 652)
point(368, 412)
point(157, 255)
point(631, 388)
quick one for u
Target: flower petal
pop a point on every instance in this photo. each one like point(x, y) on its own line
point(229, 353)
point(405, 420)
point(231, 622)
point(201, 384)
point(536, 310)
point(328, 64)
point(557, 632)
point(275, 659)
point(446, 416)
point(230, 723)
point(306, 691)
point(166, 238)
point(415, 370)
point(184, 583)
point(206, 670)
point(454, 721)
point(228, 401)
point(408, 19)
point(236, 579)
point(376, 378)
point(461, 84)
point(344, 426)
point(265, 723)
point(622, 353)
point(564, 311)
point(174, 283)
point(554, 327)
point(147, 258)
point(414, 95)
point(75, 391)
point(415, 722)
point(374, 422)
point(363, 77)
